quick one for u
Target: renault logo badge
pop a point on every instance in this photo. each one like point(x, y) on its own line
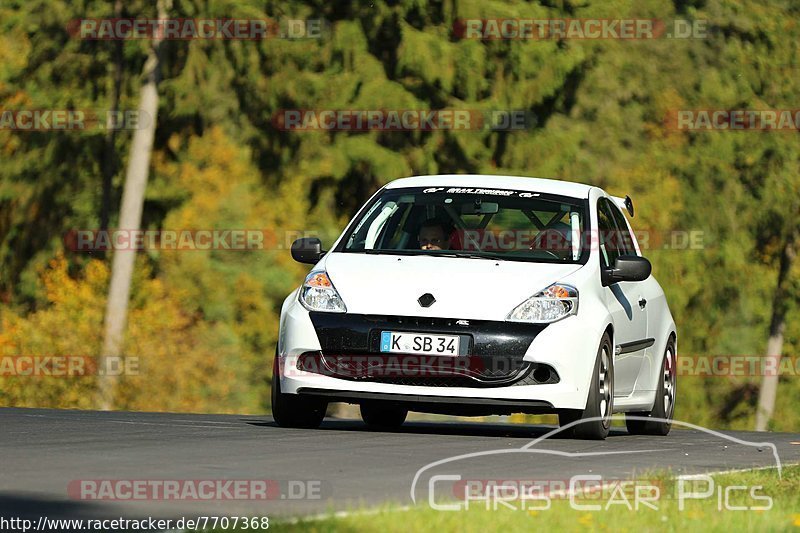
point(426, 300)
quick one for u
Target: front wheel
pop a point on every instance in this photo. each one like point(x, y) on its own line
point(664, 407)
point(596, 416)
point(292, 410)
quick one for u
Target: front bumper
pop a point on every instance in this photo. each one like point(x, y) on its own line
point(496, 371)
point(491, 353)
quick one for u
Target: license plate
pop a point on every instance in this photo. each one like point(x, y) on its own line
point(421, 343)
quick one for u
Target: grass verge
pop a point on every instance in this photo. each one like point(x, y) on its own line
point(713, 513)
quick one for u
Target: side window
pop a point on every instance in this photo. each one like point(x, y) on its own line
point(625, 238)
point(608, 237)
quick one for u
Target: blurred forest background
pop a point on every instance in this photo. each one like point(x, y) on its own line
point(204, 323)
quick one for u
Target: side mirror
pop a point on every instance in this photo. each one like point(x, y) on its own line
point(627, 268)
point(629, 205)
point(307, 250)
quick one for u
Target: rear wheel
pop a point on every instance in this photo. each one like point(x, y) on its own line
point(600, 401)
point(664, 407)
point(383, 416)
point(292, 410)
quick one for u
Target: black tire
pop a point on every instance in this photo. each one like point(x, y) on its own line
point(600, 401)
point(664, 406)
point(292, 410)
point(383, 416)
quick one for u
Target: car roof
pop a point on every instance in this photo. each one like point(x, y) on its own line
point(519, 183)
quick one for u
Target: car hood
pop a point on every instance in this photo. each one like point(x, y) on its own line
point(478, 289)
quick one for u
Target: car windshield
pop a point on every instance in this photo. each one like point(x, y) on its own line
point(470, 222)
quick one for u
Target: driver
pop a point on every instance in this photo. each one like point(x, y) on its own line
point(433, 236)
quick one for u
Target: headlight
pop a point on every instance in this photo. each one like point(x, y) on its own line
point(319, 294)
point(550, 305)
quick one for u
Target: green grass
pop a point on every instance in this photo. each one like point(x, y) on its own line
point(698, 515)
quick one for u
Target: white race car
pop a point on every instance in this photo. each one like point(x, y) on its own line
point(478, 295)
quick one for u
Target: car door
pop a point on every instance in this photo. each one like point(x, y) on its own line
point(624, 300)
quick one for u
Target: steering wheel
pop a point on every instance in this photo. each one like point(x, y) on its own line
point(555, 256)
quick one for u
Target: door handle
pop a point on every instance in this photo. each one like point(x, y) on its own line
point(642, 303)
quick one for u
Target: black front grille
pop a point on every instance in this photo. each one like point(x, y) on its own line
point(425, 371)
point(431, 381)
point(393, 365)
point(490, 351)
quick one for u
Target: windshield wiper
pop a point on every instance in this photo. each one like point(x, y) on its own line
point(429, 253)
point(466, 255)
point(391, 252)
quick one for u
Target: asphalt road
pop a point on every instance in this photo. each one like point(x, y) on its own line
point(340, 466)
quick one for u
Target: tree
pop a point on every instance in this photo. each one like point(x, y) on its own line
point(131, 216)
point(777, 326)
